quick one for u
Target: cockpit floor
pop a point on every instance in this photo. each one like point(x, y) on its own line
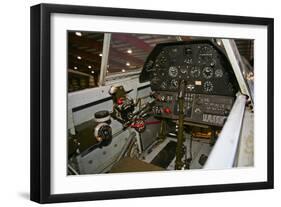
point(163, 154)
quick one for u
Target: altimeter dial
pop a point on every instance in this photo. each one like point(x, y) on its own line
point(195, 72)
point(208, 86)
point(173, 71)
point(207, 72)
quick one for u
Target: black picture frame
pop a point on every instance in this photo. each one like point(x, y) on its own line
point(41, 102)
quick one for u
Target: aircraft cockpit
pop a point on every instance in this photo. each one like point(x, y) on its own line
point(188, 106)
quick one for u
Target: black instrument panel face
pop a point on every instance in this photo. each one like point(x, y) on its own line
point(198, 108)
point(201, 64)
point(209, 81)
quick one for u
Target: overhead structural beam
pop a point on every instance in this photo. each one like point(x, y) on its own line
point(90, 56)
point(91, 43)
point(117, 55)
point(134, 41)
point(79, 73)
point(88, 61)
point(114, 53)
point(83, 63)
point(83, 42)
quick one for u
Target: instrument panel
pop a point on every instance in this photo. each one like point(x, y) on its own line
point(198, 108)
point(210, 84)
point(201, 64)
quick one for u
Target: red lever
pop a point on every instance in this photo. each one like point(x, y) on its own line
point(167, 110)
point(120, 101)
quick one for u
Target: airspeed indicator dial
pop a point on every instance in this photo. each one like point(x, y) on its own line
point(218, 73)
point(207, 72)
point(208, 86)
point(164, 85)
point(174, 83)
point(173, 71)
point(184, 69)
point(195, 72)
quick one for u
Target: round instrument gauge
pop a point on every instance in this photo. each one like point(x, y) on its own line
point(188, 60)
point(205, 55)
point(195, 72)
point(188, 51)
point(174, 83)
point(173, 71)
point(208, 86)
point(207, 72)
point(205, 50)
point(164, 85)
point(162, 60)
point(184, 69)
point(218, 73)
point(149, 66)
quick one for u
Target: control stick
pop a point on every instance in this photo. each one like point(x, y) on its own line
point(180, 138)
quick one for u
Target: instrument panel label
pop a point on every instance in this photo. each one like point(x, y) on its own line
point(213, 119)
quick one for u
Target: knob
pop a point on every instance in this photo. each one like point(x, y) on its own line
point(226, 112)
point(167, 110)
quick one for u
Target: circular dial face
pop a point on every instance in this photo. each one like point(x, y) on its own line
point(164, 85)
point(208, 86)
point(149, 66)
point(188, 60)
point(205, 54)
point(188, 51)
point(218, 73)
point(161, 60)
point(207, 72)
point(195, 72)
point(183, 69)
point(188, 56)
point(205, 50)
point(173, 71)
point(103, 133)
point(174, 83)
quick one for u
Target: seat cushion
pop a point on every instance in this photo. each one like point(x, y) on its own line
point(128, 164)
